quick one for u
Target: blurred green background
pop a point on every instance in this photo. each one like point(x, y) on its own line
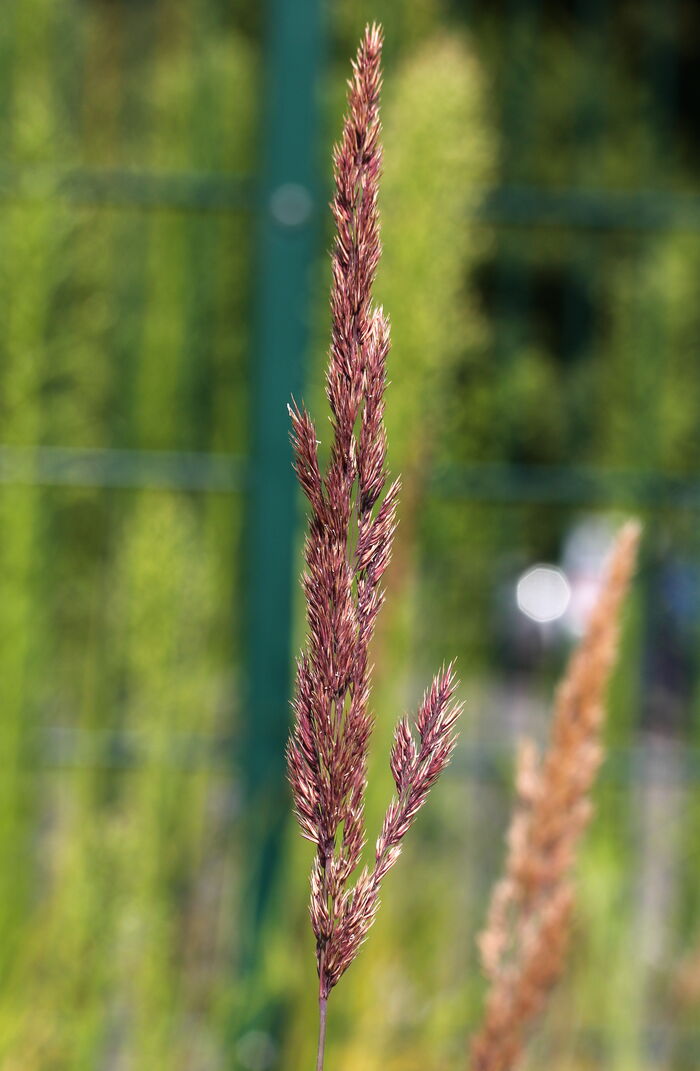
point(164, 172)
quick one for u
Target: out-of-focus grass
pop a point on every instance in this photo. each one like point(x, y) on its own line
point(116, 649)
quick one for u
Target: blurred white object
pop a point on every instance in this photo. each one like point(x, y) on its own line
point(543, 593)
point(586, 548)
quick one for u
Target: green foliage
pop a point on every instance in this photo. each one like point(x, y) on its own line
point(112, 320)
point(166, 815)
point(440, 154)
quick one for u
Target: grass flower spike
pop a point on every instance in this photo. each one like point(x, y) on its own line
point(347, 550)
point(525, 939)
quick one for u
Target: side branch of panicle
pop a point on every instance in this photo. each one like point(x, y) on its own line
point(415, 766)
point(524, 943)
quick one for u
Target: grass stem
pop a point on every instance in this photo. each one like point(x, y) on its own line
point(322, 1009)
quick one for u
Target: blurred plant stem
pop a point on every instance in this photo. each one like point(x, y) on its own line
point(322, 1015)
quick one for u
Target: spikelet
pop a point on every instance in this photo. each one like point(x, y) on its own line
point(523, 945)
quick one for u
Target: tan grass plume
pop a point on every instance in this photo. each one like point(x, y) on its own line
point(524, 942)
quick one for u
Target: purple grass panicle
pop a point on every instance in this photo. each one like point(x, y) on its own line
point(348, 547)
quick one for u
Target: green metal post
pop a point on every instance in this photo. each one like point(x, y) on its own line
point(286, 251)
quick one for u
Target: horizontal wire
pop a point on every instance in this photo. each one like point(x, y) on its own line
point(486, 482)
point(127, 188)
point(59, 747)
point(75, 467)
point(200, 191)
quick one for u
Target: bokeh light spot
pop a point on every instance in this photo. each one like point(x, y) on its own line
point(543, 593)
